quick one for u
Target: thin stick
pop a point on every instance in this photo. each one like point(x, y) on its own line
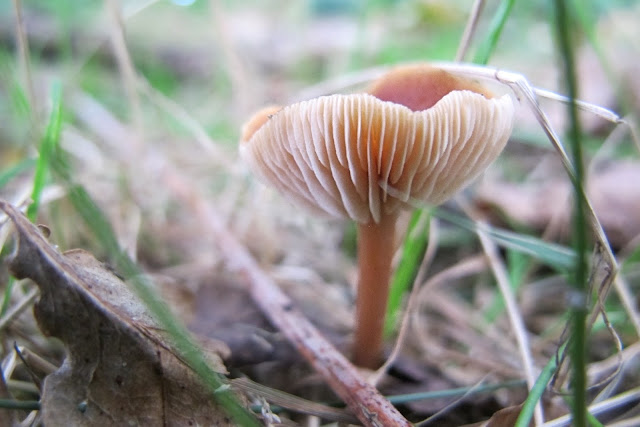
point(517, 323)
point(371, 408)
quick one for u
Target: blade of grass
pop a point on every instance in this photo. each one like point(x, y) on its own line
point(514, 315)
point(402, 399)
point(413, 251)
point(593, 421)
point(47, 145)
point(626, 398)
point(495, 29)
point(535, 394)
point(99, 225)
point(470, 29)
point(551, 254)
point(97, 222)
point(5, 178)
point(23, 54)
point(7, 175)
point(578, 303)
point(23, 405)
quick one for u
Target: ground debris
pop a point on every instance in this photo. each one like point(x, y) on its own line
point(120, 368)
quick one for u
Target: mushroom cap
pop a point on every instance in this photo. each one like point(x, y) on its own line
point(361, 157)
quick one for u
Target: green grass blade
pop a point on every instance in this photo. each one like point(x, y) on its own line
point(94, 218)
point(535, 394)
point(402, 399)
point(47, 145)
point(97, 222)
point(593, 421)
point(6, 295)
point(551, 254)
point(497, 25)
point(23, 405)
point(414, 248)
point(556, 256)
point(15, 170)
point(578, 305)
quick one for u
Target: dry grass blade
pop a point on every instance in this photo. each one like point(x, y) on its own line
point(236, 70)
point(459, 327)
point(294, 403)
point(23, 51)
point(627, 397)
point(16, 309)
point(470, 29)
point(34, 361)
point(125, 64)
point(631, 422)
point(449, 407)
point(500, 274)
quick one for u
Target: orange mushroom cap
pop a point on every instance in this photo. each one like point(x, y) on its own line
point(362, 157)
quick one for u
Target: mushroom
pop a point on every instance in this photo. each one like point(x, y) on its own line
point(420, 134)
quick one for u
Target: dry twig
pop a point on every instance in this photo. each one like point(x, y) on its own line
point(371, 408)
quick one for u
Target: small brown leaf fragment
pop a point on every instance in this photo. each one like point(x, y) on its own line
point(505, 417)
point(120, 369)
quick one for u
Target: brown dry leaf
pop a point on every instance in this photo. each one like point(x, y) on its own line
point(120, 368)
point(613, 192)
point(506, 417)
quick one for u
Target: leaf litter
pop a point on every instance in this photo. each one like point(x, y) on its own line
point(120, 368)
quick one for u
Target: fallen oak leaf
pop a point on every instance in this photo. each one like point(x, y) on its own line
point(120, 367)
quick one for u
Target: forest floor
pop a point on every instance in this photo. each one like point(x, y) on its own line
point(119, 134)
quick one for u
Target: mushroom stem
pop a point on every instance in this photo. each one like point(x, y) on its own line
point(375, 250)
